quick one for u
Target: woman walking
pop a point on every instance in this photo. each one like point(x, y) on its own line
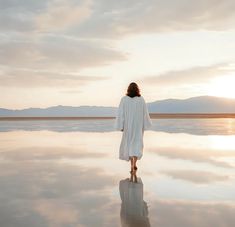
point(132, 118)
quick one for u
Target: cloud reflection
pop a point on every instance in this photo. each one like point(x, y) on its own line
point(50, 193)
point(214, 157)
point(189, 126)
point(192, 213)
point(197, 177)
point(48, 153)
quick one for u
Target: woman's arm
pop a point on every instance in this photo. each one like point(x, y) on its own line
point(119, 121)
point(147, 120)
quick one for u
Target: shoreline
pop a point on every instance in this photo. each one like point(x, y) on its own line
point(152, 116)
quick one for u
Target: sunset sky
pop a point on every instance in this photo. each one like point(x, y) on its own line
point(86, 52)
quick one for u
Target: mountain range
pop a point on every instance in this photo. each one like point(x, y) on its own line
point(200, 104)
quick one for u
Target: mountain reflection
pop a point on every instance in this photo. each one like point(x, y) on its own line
point(217, 126)
point(134, 210)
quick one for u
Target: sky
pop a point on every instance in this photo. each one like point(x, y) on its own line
point(86, 52)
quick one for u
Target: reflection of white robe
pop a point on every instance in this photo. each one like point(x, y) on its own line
point(133, 118)
point(134, 210)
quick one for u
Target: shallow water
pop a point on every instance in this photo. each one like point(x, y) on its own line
point(206, 126)
point(67, 173)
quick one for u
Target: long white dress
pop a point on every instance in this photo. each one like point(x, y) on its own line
point(133, 118)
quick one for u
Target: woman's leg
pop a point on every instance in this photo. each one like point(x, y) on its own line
point(134, 162)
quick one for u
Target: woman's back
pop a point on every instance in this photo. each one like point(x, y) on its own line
point(133, 112)
point(132, 118)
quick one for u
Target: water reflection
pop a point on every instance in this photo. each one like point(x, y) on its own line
point(212, 157)
point(134, 210)
point(217, 126)
point(70, 179)
point(185, 213)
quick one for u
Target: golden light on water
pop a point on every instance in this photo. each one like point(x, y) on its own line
point(222, 142)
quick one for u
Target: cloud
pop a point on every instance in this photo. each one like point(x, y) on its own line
point(42, 16)
point(26, 5)
point(72, 35)
point(19, 16)
point(57, 53)
point(117, 19)
point(197, 177)
point(62, 14)
point(195, 75)
point(53, 61)
point(39, 78)
point(16, 22)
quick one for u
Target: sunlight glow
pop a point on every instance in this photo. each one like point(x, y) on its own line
point(222, 142)
point(223, 86)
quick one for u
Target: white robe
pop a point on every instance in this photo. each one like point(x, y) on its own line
point(133, 118)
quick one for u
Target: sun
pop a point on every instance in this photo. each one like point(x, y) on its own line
point(223, 86)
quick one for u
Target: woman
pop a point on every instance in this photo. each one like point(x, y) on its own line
point(132, 118)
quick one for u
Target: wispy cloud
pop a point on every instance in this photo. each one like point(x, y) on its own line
point(65, 40)
point(43, 16)
point(195, 75)
point(40, 78)
point(62, 14)
point(19, 16)
point(57, 52)
point(117, 18)
point(53, 61)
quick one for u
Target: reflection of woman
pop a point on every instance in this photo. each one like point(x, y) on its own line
point(132, 118)
point(134, 211)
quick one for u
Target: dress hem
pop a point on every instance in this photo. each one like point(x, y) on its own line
point(138, 158)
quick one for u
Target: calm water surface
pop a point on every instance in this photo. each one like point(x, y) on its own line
point(67, 173)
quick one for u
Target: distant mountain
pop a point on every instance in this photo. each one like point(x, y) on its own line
point(61, 111)
point(201, 104)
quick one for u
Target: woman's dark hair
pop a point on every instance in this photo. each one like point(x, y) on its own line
point(133, 90)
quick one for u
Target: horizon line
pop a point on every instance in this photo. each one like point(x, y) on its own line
point(152, 116)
